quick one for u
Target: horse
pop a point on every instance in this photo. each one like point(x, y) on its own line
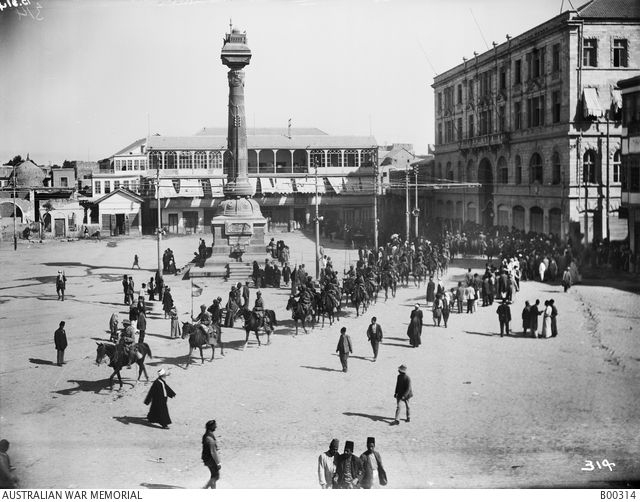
point(329, 302)
point(117, 361)
point(389, 281)
point(419, 273)
point(403, 273)
point(299, 313)
point(200, 340)
point(359, 297)
point(252, 323)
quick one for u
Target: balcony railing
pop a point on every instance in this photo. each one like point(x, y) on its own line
point(485, 141)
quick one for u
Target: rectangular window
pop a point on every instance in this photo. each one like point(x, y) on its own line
point(440, 133)
point(107, 187)
point(471, 96)
point(556, 58)
point(136, 165)
point(129, 164)
point(501, 119)
point(590, 53)
point(529, 66)
point(503, 78)
point(517, 115)
point(439, 102)
point(125, 184)
point(459, 94)
point(471, 131)
point(97, 187)
point(556, 106)
point(535, 111)
point(143, 164)
point(620, 53)
point(529, 112)
point(459, 127)
point(116, 184)
point(517, 71)
point(64, 181)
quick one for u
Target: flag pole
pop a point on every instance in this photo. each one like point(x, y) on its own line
point(191, 298)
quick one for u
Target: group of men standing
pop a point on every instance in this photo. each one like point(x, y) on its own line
point(347, 471)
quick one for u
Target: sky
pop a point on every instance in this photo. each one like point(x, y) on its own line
point(82, 79)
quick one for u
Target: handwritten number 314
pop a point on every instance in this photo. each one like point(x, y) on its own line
point(588, 465)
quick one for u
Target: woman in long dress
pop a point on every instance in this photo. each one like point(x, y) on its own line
point(546, 320)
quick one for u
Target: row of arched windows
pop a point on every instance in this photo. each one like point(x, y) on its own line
point(535, 172)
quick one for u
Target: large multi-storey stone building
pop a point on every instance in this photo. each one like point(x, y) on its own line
point(536, 121)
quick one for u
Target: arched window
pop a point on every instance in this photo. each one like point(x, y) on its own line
point(185, 160)
point(535, 169)
point(556, 169)
point(170, 160)
point(200, 160)
point(470, 171)
point(503, 171)
point(589, 167)
point(460, 171)
point(616, 167)
point(449, 172)
point(439, 171)
point(155, 159)
point(518, 170)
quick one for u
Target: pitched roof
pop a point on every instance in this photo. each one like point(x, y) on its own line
point(260, 142)
point(133, 145)
point(607, 9)
point(262, 131)
point(123, 191)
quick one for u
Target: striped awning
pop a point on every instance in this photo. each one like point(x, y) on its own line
point(267, 185)
point(167, 189)
point(591, 103)
point(308, 185)
point(337, 183)
point(217, 184)
point(191, 188)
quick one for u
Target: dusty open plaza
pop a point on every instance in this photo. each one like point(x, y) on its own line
point(488, 412)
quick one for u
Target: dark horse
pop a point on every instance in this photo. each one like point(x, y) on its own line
point(329, 302)
point(299, 313)
point(360, 297)
point(199, 339)
point(389, 281)
point(252, 323)
point(117, 361)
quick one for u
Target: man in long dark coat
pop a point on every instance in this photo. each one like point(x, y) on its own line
point(348, 469)
point(504, 317)
point(157, 397)
point(60, 341)
point(414, 330)
point(431, 291)
point(533, 318)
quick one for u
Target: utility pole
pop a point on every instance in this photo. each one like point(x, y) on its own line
point(15, 235)
point(416, 211)
point(159, 216)
point(375, 202)
point(607, 189)
point(317, 222)
point(406, 200)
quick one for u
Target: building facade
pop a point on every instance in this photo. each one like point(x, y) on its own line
point(630, 89)
point(191, 172)
point(536, 122)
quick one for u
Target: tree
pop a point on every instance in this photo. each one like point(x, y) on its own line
point(15, 161)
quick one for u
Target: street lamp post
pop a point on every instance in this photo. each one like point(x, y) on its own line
point(416, 211)
point(15, 235)
point(317, 225)
point(375, 203)
point(406, 201)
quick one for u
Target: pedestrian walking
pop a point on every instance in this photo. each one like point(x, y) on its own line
point(437, 310)
point(157, 397)
point(210, 456)
point(61, 284)
point(431, 291)
point(159, 285)
point(246, 292)
point(460, 296)
point(504, 316)
point(327, 465)
point(566, 279)
point(470, 296)
point(348, 469)
point(167, 301)
point(152, 290)
point(533, 318)
point(125, 289)
point(554, 314)
point(344, 348)
point(130, 290)
point(374, 335)
point(114, 321)
point(546, 320)
point(446, 308)
point(135, 263)
point(142, 325)
point(7, 478)
point(60, 341)
point(402, 393)
point(373, 473)
point(414, 330)
point(176, 330)
point(526, 317)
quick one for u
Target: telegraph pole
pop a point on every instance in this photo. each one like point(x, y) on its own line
point(159, 216)
point(375, 203)
point(317, 222)
point(417, 209)
point(406, 200)
point(15, 235)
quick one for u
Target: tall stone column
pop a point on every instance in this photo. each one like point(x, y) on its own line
point(238, 163)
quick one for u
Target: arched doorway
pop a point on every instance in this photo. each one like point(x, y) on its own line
point(518, 217)
point(554, 221)
point(536, 215)
point(46, 220)
point(485, 178)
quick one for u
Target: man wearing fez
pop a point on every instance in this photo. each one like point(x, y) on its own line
point(348, 469)
point(327, 465)
point(374, 474)
point(344, 348)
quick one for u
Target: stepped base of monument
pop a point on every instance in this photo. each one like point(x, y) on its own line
point(229, 269)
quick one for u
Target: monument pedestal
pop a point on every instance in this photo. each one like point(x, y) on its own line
point(238, 226)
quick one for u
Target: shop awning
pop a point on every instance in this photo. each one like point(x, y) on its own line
point(591, 103)
point(616, 100)
point(191, 188)
point(337, 183)
point(167, 189)
point(268, 185)
point(216, 187)
point(284, 185)
point(308, 185)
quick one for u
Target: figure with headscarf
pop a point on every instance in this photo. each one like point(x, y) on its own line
point(414, 330)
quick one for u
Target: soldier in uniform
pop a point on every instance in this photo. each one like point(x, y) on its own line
point(258, 308)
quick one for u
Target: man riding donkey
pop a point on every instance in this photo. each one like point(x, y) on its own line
point(259, 310)
point(205, 323)
point(125, 350)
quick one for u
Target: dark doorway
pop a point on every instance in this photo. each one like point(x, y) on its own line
point(120, 228)
point(59, 227)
